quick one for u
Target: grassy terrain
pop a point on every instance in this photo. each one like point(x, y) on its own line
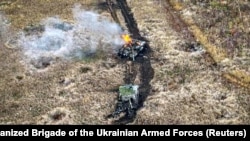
point(222, 27)
point(187, 87)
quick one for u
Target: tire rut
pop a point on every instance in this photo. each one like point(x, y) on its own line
point(142, 65)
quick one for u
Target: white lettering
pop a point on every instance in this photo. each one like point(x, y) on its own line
point(155, 133)
point(48, 134)
point(177, 132)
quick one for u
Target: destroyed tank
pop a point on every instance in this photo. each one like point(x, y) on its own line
point(132, 50)
point(128, 98)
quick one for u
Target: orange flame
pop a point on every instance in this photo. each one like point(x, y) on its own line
point(127, 39)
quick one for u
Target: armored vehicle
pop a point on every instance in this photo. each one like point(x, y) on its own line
point(128, 98)
point(132, 48)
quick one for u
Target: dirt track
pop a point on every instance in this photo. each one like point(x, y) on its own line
point(142, 65)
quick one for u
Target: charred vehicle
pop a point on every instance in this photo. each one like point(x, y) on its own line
point(132, 48)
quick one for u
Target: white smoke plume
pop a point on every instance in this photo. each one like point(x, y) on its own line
point(88, 33)
point(4, 28)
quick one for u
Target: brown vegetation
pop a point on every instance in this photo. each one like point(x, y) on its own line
point(186, 87)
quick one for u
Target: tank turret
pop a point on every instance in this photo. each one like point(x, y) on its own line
point(132, 48)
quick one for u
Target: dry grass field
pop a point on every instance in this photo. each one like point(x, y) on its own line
point(208, 85)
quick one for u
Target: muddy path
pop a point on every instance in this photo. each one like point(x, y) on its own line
point(140, 68)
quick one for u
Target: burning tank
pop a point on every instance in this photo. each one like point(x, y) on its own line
point(128, 98)
point(132, 47)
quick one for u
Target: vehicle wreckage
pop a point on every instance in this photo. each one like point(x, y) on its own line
point(132, 47)
point(128, 99)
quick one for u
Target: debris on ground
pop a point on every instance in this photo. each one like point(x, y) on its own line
point(132, 47)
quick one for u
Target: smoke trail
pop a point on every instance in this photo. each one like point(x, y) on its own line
point(89, 32)
point(4, 28)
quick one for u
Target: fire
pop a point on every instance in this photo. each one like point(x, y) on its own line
point(127, 39)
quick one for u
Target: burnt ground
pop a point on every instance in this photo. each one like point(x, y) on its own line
point(183, 78)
